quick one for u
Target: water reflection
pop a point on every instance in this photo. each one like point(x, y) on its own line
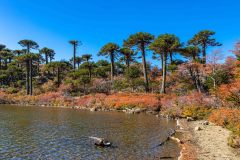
point(54, 133)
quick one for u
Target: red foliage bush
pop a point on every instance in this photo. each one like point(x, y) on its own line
point(230, 94)
point(226, 117)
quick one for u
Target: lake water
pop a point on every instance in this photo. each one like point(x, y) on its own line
point(57, 133)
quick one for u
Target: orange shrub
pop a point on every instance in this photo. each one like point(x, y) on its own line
point(230, 94)
point(133, 100)
point(226, 117)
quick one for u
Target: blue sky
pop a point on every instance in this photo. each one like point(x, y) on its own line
point(53, 23)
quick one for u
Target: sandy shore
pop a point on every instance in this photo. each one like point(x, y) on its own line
point(210, 143)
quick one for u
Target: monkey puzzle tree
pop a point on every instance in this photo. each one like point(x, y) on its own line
point(28, 45)
point(79, 60)
point(191, 52)
point(86, 58)
point(110, 50)
point(49, 53)
point(27, 59)
point(164, 45)
point(204, 40)
point(128, 55)
point(75, 44)
point(141, 41)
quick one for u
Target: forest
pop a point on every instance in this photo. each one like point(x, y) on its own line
point(196, 79)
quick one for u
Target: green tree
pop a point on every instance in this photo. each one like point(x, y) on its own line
point(141, 41)
point(75, 44)
point(86, 58)
point(28, 59)
point(6, 56)
point(28, 45)
point(164, 45)
point(133, 75)
point(79, 60)
point(110, 50)
point(191, 52)
point(204, 40)
point(1, 48)
point(128, 55)
point(102, 68)
point(79, 80)
point(49, 54)
point(57, 68)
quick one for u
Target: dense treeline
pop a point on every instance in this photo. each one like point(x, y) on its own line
point(33, 70)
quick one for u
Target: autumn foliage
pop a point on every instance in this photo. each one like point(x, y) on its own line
point(226, 117)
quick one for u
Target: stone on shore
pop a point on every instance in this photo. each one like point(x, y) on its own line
point(197, 128)
point(93, 109)
point(189, 119)
point(205, 123)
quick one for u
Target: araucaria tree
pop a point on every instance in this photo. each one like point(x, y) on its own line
point(49, 53)
point(164, 45)
point(28, 45)
point(141, 41)
point(87, 58)
point(128, 55)
point(204, 40)
point(191, 52)
point(75, 44)
point(110, 50)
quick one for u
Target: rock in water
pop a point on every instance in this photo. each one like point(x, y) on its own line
point(101, 142)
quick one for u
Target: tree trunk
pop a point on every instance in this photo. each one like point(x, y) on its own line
point(31, 77)
point(171, 57)
point(127, 63)
point(204, 54)
point(5, 61)
point(144, 68)
point(27, 77)
point(74, 56)
point(198, 82)
point(162, 62)
point(58, 76)
point(112, 66)
point(46, 58)
point(84, 88)
point(164, 74)
point(0, 63)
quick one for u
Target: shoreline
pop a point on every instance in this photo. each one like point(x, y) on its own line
point(207, 143)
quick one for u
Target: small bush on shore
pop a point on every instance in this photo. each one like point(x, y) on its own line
point(196, 112)
point(234, 141)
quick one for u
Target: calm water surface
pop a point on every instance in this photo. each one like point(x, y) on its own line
point(55, 133)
